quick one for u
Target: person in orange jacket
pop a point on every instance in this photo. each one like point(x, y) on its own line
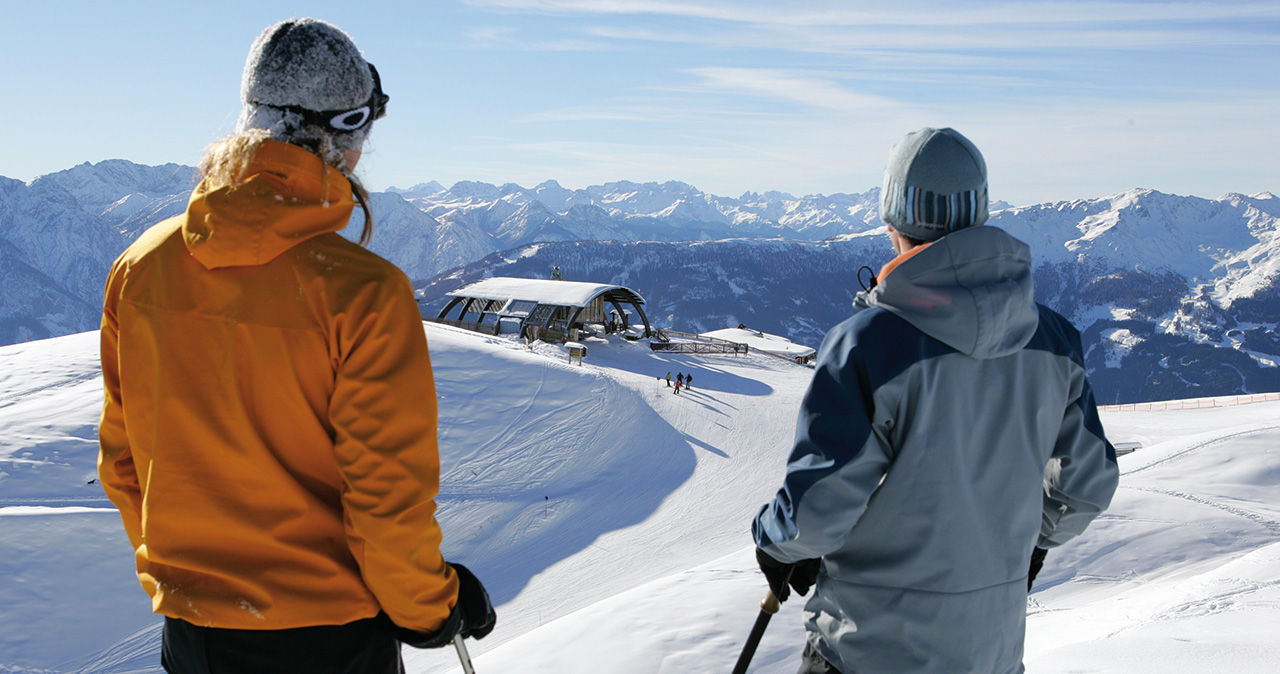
point(269, 428)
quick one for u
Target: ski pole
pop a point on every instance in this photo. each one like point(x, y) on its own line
point(768, 607)
point(463, 655)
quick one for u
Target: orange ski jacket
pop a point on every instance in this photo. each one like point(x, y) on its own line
point(269, 429)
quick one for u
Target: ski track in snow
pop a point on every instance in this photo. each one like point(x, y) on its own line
point(1211, 604)
point(1269, 524)
point(13, 397)
point(1172, 557)
point(1199, 446)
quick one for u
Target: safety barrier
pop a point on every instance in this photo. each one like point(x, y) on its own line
point(697, 347)
point(662, 342)
point(1192, 404)
point(720, 345)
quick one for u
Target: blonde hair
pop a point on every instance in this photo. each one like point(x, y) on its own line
point(226, 160)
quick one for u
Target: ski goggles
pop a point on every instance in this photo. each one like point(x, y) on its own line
point(344, 121)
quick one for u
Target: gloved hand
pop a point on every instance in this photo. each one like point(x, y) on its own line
point(478, 616)
point(1037, 562)
point(472, 616)
point(803, 574)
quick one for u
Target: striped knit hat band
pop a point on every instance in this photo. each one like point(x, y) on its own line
point(935, 183)
point(930, 210)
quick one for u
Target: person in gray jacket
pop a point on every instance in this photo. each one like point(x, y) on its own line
point(916, 490)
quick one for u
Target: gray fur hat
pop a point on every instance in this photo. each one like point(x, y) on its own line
point(304, 79)
point(935, 183)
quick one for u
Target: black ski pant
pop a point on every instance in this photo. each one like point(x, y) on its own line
point(362, 647)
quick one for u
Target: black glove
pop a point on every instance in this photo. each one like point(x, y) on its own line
point(472, 616)
point(803, 574)
point(478, 617)
point(1037, 561)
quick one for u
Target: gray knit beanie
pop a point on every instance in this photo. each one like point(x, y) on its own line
point(935, 183)
point(305, 80)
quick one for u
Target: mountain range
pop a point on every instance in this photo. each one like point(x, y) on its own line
point(1176, 296)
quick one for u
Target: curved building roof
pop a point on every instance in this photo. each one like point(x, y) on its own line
point(543, 291)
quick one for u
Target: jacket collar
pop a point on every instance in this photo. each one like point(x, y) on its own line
point(903, 257)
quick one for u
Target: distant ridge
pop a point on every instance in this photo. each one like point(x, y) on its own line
point(1176, 296)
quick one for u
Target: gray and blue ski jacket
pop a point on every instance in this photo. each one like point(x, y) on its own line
point(919, 462)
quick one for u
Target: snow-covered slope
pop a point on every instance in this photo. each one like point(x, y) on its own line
point(1181, 575)
point(609, 519)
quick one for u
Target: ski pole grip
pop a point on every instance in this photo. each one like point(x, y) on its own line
point(770, 604)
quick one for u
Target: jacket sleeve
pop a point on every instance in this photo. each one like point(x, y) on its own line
point(383, 413)
point(1089, 474)
point(116, 469)
point(838, 461)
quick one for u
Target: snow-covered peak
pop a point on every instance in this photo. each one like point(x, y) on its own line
point(95, 186)
point(1145, 229)
point(471, 188)
point(553, 195)
point(421, 189)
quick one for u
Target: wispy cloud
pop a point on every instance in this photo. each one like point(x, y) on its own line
point(860, 39)
point(840, 13)
point(715, 96)
point(805, 88)
point(1077, 147)
point(835, 28)
point(503, 37)
point(644, 112)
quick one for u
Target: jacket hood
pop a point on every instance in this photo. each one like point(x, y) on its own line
point(285, 196)
point(971, 290)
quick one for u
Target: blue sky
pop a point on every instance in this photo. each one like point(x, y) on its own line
point(1066, 99)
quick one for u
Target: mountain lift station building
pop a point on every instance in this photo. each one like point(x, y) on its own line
point(550, 310)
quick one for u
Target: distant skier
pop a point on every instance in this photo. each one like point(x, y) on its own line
point(668, 379)
point(688, 381)
point(915, 493)
point(269, 427)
